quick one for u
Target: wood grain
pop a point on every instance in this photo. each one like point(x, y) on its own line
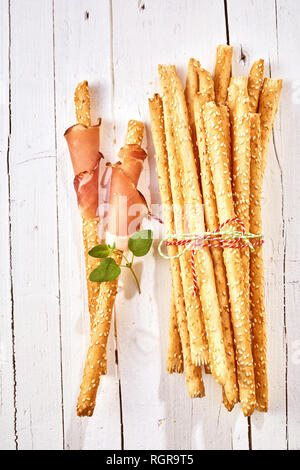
point(287, 145)
point(46, 48)
point(269, 431)
point(7, 386)
point(82, 52)
point(33, 229)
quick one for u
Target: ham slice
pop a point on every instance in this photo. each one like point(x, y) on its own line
point(83, 143)
point(127, 206)
point(121, 210)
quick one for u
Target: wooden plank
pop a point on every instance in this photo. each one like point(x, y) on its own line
point(268, 431)
point(161, 32)
point(6, 351)
point(288, 16)
point(82, 51)
point(33, 221)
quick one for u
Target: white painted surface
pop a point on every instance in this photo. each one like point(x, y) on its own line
point(116, 46)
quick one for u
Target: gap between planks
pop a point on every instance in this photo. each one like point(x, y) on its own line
point(57, 229)
point(10, 233)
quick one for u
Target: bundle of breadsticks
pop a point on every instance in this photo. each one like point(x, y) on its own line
point(211, 142)
point(84, 140)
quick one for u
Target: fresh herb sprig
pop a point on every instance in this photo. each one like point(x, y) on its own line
point(139, 244)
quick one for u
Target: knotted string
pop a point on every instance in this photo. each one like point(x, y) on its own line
point(216, 239)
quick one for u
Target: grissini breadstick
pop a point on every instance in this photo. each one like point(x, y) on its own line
point(191, 89)
point(96, 357)
point(258, 314)
point(267, 108)
point(226, 128)
point(89, 225)
point(194, 74)
point(193, 203)
point(222, 72)
point(174, 360)
point(217, 151)
point(238, 86)
point(212, 223)
point(255, 80)
point(261, 129)
point(83, 104)
point(206, 94)
point(174, 357)
point(135, 132)
point(198, 341)
point(238, 102)
point(164, 131)
point(227, 135)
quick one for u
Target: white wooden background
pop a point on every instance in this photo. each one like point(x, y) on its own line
point(46, 48)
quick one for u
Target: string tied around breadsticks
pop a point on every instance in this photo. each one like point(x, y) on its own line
point(219, 238)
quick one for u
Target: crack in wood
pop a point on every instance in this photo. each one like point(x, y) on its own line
point(114, 139)
point(10, 231)
point(284, 245)
point(141, 5)
point(226, 22)
point(57, 231)
point(243, 57)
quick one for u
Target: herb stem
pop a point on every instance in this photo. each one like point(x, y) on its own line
point(134, 275)
point(126, 259)
point(136, 279)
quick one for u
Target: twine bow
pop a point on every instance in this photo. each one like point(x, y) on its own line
point(217, 239)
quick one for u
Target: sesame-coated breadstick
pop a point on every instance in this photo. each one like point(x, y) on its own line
point(206, 94)
point(198, 342)
point(195, 74)
point(258, 314)
point(222, 72)
point(192, 372)
point(95, 364)
point(238, 103)
point(217, 151)
point(89, 226)
point(260, 134)
point(193, 203)
point(267, 108)
point(226, 128)
point(212, 223)
point(135, 132)
point(174, 359)
point(83, 104)
point(255, 80)
point(191, 89)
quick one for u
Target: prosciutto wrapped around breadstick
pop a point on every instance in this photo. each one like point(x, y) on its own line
point(124, 178)
point(83, 140)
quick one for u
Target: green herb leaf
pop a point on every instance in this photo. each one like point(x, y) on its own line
point(108, 270)
point(100, 251)
point(140, 243)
